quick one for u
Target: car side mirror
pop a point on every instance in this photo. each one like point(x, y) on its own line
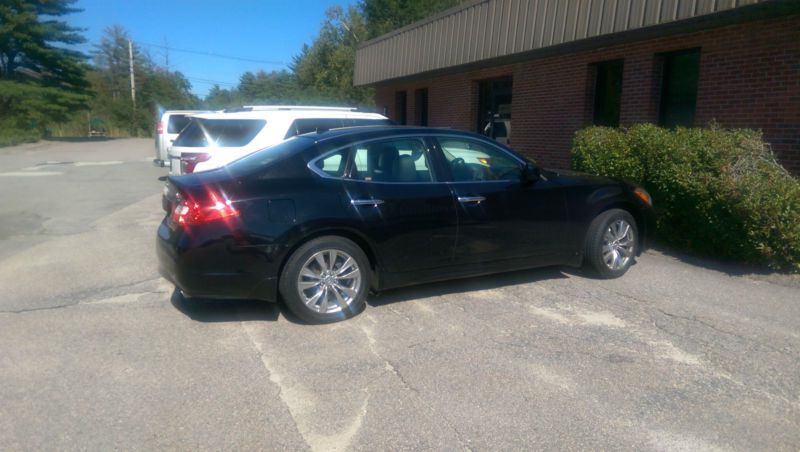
point(530, 174)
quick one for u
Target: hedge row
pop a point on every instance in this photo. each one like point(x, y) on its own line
point(716, 192)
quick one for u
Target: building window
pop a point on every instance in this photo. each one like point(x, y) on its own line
point(494, 109)
point(400, 108)
point(678, 102)
point(421, 110)
point(607, 93)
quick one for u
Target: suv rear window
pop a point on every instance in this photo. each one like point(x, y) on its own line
point(308, 125)
point(219, 132)
point(177, 123)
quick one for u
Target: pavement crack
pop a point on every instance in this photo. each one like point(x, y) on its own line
point(45, 308)
point(713, 327)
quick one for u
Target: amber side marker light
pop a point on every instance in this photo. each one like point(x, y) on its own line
point(642, 194)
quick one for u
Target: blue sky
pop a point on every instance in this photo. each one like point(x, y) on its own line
point(266, 30)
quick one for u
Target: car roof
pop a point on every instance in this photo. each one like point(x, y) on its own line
point(290, 113)
point(184, 112)
point(367, 132)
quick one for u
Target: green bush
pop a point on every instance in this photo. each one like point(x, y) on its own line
point(10, 135)
point(716, 192)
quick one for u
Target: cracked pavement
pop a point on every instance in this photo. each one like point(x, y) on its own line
point(98, 352)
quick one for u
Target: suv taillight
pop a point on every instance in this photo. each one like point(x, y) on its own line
point(190, 161)
point(159, 127)
point(194, 212)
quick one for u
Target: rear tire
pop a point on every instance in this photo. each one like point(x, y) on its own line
point(612, 243)
point(326, 280)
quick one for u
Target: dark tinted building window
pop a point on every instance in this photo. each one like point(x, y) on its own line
point(219, 132)
point(421, 102)
point(400, 107)
point(607, 93)
point(177, 123)
point(679, 88)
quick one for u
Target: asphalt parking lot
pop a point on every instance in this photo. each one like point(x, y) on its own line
point(98, 352)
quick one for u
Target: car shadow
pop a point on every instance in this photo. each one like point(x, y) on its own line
point(456, 286)
point(243, 310)
point(211, 310)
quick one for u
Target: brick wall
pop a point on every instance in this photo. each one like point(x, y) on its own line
point(749, 77)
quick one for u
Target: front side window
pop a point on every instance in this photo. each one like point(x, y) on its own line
point(472, 161)
point(203, 132)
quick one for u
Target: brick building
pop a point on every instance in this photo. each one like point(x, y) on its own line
point(532, 72)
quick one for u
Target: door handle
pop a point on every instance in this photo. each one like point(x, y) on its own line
point(471, 199)
point(366, 202)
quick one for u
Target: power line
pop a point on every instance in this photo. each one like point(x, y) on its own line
point(210, 82)
point(211, 54)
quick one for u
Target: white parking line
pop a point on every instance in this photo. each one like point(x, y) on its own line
point(30, 173)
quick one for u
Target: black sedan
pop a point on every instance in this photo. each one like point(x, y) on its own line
point(323, 218)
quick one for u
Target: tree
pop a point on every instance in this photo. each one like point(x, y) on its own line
point(383, 16)
point(156, 87)
point(41, 82)
point(324, 69)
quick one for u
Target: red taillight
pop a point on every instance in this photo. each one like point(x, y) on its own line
point(190, 161)
point(159, 127)
point(214, 207)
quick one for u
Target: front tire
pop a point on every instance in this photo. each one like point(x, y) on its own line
point(326, 280)
point(612, 243)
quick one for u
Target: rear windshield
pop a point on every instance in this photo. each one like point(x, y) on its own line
point(177, 123)
point(219, 132)
point(309, 125)
point(257, 160)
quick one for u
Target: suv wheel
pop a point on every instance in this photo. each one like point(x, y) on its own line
point(611, 243)
point(326, 280)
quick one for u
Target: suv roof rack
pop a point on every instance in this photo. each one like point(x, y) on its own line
point(285, 107)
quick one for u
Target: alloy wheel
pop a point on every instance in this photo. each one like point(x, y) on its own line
point(618, 245)
point(329, 281)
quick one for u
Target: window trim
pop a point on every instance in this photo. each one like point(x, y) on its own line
point(514, 157)
point(348, 166)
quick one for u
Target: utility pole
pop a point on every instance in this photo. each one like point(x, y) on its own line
point(133, 83)
point(166, 52)
point(133, 88)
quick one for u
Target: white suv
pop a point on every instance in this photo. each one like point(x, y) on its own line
point(213, 140)
point(168, 127)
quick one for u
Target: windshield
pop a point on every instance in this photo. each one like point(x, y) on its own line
point(203, 132)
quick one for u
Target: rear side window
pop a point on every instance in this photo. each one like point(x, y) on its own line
point(177, 123)
point(396, 161)
point(352, 122)
point(391, 161)
point(219, 132)
point(309, 125)
point(333, 165)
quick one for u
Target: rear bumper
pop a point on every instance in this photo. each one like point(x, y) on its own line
point(201, 272)
point(160, 163)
